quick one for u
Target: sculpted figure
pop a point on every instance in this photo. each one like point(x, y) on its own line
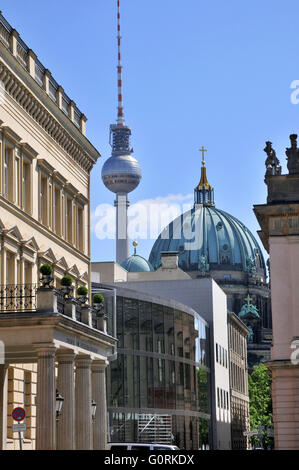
point(272, 162)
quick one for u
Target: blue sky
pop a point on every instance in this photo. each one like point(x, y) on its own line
point(196, 73)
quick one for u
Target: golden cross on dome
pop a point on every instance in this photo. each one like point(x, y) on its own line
point(203, 150)
point(249, 300)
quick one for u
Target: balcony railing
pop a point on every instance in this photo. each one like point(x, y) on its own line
point(18, 297)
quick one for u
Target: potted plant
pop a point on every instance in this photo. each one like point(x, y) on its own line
point(82, 292)
point(46, 271)
point(66, 283)
point(98, 302)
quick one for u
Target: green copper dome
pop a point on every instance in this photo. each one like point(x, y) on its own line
point(209, 239)
point(136, 263)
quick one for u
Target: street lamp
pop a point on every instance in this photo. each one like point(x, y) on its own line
point(93, 409)
point(59, 403)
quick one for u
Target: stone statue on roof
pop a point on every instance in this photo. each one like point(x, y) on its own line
point(292, 154)
point(272, 162)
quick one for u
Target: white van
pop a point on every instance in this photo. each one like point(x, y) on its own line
point(139, 446)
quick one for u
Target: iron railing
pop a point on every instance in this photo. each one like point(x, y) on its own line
point(18, 297)
point(23, 298)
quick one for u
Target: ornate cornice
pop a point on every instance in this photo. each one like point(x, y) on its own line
point(39, 113)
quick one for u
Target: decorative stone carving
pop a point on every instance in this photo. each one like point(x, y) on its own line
point(272, 162)
point(203, 265)
point(292, 154)
point(250, 265)
point(36, 110)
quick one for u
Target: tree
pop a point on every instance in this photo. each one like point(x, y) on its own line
point(260, 401)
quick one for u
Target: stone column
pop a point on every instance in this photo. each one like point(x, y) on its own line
point(83, 419)
point(99, 396)
point(3, 405)
point(66, 388)
point(46, 397)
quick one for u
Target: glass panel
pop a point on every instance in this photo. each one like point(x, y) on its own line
point(158, 319)
point(131, 334)
point(169, 330)
point(145, 326)
point(159, 383)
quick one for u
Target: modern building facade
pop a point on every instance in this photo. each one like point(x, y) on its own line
point(159, 386)
point(279, 221)
point(45, 164)
point(183, 296)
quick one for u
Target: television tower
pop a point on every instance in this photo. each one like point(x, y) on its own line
point(121, 173)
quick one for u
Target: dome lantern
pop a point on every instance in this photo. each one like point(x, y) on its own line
point(204, 192)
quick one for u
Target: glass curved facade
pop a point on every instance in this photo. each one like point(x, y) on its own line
point(158, 388)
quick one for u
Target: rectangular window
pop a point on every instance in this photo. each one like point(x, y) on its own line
point(43, 200)
point(57, 227)
point(28, 273)
point(26, 187)
point(217, 358)
point(69, 221)
point(18, 179)
point(50, 207)
point(80, 229)
point(10, 268)
point(8, 173)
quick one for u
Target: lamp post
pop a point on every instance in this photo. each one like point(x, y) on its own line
point(59, 403)
point(93, 409)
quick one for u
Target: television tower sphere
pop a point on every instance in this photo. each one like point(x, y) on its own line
point(121, 174)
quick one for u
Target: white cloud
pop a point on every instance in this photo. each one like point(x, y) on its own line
point(147, 217)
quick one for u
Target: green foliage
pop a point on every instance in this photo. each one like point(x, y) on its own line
point(98, 299)
point(66, 281)
point(46, 269)
point(82, 290)
point(260, 400)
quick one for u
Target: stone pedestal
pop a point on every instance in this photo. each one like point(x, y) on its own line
point(70, 308)
point(83, 420)
point(46, 397)
point(86, 315)
point(99, 396)
point(66, 388)
point(46, 300)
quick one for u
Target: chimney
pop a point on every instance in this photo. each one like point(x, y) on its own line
point(170, 259)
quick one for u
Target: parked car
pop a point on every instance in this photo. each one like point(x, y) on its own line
point(139, 446)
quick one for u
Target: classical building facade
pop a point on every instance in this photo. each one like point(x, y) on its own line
point(279, 221)
point(45, 164)
point(237, 341)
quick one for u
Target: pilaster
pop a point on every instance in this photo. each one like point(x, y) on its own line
point(83, 420)
point(46, 397)
point(3, 405)
point(66, 387)
point(99, 396)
